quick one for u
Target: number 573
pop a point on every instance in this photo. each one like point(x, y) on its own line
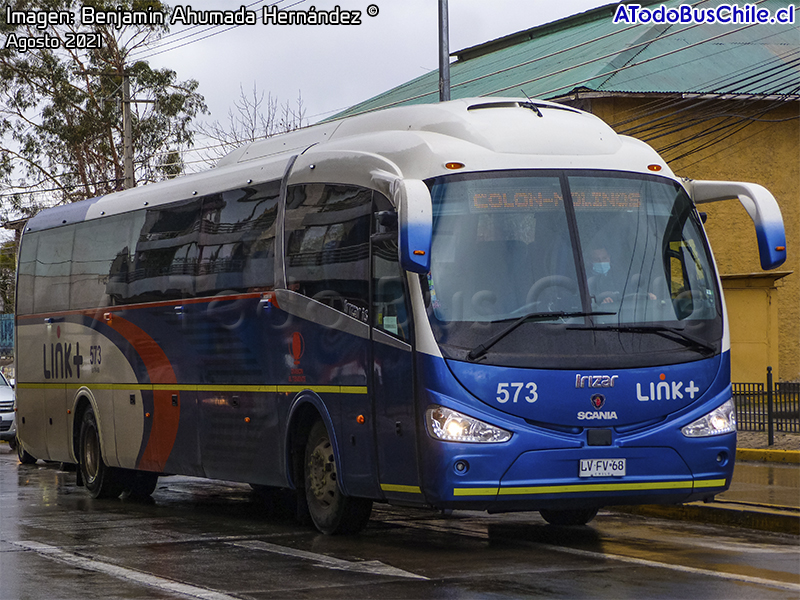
point(511, 391)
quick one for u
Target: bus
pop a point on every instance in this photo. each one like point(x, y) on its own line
point(485, 304)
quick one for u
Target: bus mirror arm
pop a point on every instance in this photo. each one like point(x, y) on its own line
point(413, 201)
point(762, 207)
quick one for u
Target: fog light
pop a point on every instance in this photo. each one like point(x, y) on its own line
point(461, 467)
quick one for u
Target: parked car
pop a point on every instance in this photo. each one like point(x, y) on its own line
point(8, 429)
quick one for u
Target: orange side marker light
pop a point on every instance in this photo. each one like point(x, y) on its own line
point(360, 419)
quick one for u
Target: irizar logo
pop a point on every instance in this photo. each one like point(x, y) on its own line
point(595, 381)
point(664, 390)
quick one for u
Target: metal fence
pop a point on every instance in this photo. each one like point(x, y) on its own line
point(759, 410)
point(6, 335)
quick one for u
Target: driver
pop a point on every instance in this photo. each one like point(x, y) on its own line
point(606, 284)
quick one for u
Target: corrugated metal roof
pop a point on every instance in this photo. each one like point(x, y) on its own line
point(590, 52)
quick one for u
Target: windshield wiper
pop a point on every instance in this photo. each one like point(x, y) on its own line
point(483, 348)
point(666, 332)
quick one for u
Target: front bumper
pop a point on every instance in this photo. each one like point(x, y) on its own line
point(8, 427)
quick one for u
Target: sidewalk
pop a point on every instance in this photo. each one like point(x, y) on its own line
point(764, 493)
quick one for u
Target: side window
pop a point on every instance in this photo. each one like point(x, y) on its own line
point(327, 245)
point(53, 258)
point(389, 312)
point(26, 272)
point(167, 254)
point(101, 260)
point(237, 240)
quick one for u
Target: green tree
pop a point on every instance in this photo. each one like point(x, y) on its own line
point(61, 130)
point(8, 267)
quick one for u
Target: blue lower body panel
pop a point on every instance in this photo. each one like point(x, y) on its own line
point(550, 479)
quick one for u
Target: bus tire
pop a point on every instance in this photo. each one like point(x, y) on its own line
point(101, 480)
point(25, 457)
point(576, 516)
point(331, 511)
point(138, 485)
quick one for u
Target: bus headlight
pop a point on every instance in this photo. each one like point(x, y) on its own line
point(718, 421)
point(451, 426)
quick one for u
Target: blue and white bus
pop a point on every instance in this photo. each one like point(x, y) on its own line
point(486, 304)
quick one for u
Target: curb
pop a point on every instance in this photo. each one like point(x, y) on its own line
point(776, 520)
point(778, 456)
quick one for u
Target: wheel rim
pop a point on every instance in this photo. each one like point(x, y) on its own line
point(321, 473)
point(91, 455)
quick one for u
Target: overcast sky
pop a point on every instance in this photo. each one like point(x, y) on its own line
point(334, 67)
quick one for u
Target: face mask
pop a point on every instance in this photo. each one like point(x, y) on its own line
point(601, 268)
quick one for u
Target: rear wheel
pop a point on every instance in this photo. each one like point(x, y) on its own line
point(24, 457)
point(101, 480)
point(331, 511)
point(577, 516)
point(137, 485)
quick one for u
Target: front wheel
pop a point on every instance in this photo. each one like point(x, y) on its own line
point(101, 480)
point(331, 511)
point(577, 516)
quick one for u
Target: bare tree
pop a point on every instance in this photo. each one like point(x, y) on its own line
point(254, 116)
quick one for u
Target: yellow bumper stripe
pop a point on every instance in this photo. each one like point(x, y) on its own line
point(405, 489)
point(589, 487)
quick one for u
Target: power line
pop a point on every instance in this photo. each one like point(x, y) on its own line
point(151, 52)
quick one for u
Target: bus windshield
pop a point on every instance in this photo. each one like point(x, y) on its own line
point(593, 258)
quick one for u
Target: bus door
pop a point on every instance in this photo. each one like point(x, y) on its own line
point(391, 385)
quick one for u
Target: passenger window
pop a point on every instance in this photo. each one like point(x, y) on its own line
point(327, 246)
point(237, 240)
point(101, 260)
point(53, 259)
point(167, 254)
point(26, 272)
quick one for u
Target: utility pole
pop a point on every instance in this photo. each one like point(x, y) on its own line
point(444, 53)
point(127, 134)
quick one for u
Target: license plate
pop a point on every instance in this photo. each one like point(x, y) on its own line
point(602, 467)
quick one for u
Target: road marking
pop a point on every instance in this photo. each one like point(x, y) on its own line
point(373, 567)
point(89, 564)
point(784, 585)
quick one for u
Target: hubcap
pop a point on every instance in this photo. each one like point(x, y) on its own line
point(322, 473)
point(91, 455)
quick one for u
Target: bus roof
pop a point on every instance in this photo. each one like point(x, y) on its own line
point(404, 142)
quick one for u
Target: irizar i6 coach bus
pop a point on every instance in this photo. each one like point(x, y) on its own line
point(486, 304)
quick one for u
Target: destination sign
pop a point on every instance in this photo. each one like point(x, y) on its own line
point(491, 201)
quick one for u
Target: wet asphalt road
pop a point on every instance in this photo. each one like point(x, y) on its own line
point(212, 540)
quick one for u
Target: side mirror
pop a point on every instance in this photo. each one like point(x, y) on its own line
point(759, 204)
point(413, 200)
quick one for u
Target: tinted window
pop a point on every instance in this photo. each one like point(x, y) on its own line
point(388, 301)
point(25, 272)
point(327, 245)
point(53, 258)
point(237, 240)
point(102, 257)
